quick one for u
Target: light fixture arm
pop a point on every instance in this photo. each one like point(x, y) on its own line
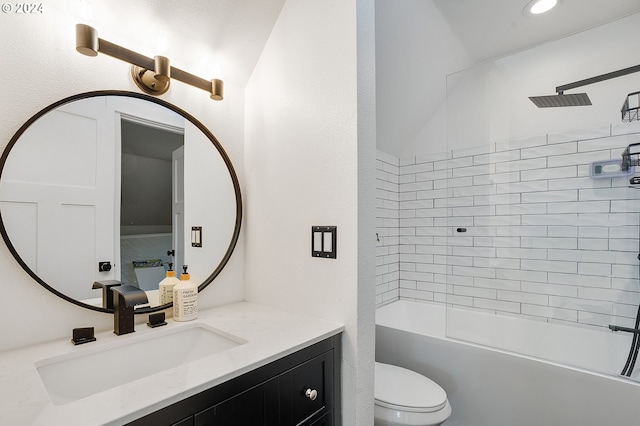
point(598, 78)
point(144, 69)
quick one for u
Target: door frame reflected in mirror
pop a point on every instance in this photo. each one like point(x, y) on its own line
point(151, 211)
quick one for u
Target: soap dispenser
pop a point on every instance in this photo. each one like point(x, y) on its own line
point(185, 298)
point(165, 288)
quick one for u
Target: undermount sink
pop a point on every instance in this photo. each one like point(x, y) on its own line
point(85, 372)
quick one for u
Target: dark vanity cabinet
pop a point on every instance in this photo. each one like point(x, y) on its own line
point(299, 389)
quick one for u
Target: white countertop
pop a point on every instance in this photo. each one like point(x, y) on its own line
point(270, 333)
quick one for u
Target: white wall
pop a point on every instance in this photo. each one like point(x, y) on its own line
point(490, 99)
point(309, 159)
point(489, 102)
point(416, 48)
point(40, 66)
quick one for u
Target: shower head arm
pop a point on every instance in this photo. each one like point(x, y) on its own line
point(608, 76)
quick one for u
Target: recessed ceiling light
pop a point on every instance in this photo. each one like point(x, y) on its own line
point(536, 7)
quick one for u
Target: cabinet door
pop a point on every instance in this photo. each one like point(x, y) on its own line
point(306, 391)
point(254, 407)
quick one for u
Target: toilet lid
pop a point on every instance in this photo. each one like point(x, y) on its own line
point(397, 387)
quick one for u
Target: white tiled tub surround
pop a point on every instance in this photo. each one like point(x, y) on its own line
point(387, 227)
point(543, 239)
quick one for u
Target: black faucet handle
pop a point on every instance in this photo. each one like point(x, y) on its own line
point(83, 335)
point(156, 320)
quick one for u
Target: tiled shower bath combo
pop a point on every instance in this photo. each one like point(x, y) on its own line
point(516, 228)
point(516, 257)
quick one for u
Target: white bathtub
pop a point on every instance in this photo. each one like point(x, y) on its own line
point(498, 387)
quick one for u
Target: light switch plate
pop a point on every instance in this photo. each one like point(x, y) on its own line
point(196, 236)
point(324, 241)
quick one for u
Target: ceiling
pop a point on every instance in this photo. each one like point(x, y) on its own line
point(490, 28)
point(148, 141)
point(420, 42)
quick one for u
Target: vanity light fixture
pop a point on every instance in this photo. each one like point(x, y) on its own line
point(151, 75)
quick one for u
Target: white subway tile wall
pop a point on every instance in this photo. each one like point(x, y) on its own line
point(543, 240)
point(387, 229)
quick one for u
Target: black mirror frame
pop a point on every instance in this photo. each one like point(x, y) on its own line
point(187, 116)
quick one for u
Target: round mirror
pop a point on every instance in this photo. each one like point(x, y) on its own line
point(116, 186)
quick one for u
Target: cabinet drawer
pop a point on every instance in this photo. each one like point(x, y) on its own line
point(306, 391)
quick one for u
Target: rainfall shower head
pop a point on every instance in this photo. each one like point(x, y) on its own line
point(577, 99)
point(561, 100)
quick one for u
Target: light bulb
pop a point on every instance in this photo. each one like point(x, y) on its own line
point(541, 6)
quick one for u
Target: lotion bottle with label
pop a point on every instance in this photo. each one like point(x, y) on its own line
point(185, 298)
point(165, 288)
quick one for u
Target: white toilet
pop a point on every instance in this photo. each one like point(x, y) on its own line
point(404, 397)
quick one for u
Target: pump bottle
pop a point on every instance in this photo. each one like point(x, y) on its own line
point(165, 288)
point(185, 298)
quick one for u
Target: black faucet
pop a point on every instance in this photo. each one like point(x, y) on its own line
point(124, 301)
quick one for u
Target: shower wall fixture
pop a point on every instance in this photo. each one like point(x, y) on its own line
point(152, 76)
point(582, 99)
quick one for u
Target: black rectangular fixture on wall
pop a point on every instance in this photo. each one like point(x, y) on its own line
point(324, 241)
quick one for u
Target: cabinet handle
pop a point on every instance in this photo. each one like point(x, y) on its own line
point(312, 394)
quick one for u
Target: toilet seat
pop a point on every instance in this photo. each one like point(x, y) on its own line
point(400, 389)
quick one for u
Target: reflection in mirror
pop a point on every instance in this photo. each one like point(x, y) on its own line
point(99, 187)
point(151, 179)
